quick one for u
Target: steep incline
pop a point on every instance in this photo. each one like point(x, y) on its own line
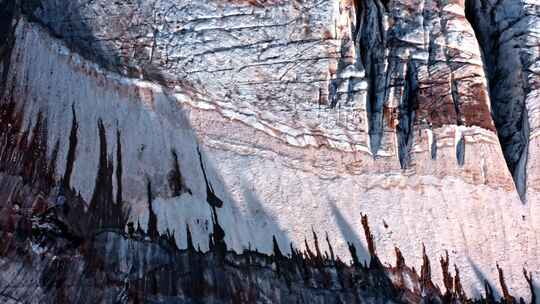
point(508, 34)
point(306, 113)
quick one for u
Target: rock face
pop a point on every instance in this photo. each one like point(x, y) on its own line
point(259, 123)
point(509, 30)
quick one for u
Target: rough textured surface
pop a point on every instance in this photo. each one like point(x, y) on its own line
point(306, 114)
point(47, 258)
point(509, 30)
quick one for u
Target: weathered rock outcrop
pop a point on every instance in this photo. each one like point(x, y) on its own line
point(507, 32)
point(270, 119)
point(47, 258)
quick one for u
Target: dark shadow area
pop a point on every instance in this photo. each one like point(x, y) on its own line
point(349, 234)
point(64, 21)
point(506, 68)
point(122, 50)
point(372, 40)
point(257, 210)
point(407, 116)
point(481, 277)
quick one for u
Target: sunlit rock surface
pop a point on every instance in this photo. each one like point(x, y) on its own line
point(419, 114)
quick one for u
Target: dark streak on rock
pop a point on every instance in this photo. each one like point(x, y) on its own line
point(332, 257)
point(425, 271)
point(275, 250)
point(400, 260)
point(372, 42)
point(35, 155)
point(458, 288)
point(460, 151)
point(211, 197)
point(71, 154)
point(528, 277)
point(103, 211)
point(490, 297)
point(218, 236)
point(152, 231)
point(506, 295)
point(434, 148)
point(318, 257)
point(456, 100)
point(118, 168)
point(407, 117)
point(369, 236)
point(175, 178)
point(51, 167)
point(189, 239)
point(448, 281)
point(354, 255)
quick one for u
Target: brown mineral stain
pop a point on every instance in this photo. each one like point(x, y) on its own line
point(476, 111)
point(391, 115)
point(327, 35)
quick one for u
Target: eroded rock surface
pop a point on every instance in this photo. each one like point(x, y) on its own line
point(508, 34)
point(277, 118)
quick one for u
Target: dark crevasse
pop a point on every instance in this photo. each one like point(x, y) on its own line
point(405, 128)
point(460, 151)
point(505, 71)
point(371, 40)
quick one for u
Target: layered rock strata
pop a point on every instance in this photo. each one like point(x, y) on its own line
point(306, 113)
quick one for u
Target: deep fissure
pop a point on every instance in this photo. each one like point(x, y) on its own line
point(407, 116)
point(506, 85)
point(371, 44)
